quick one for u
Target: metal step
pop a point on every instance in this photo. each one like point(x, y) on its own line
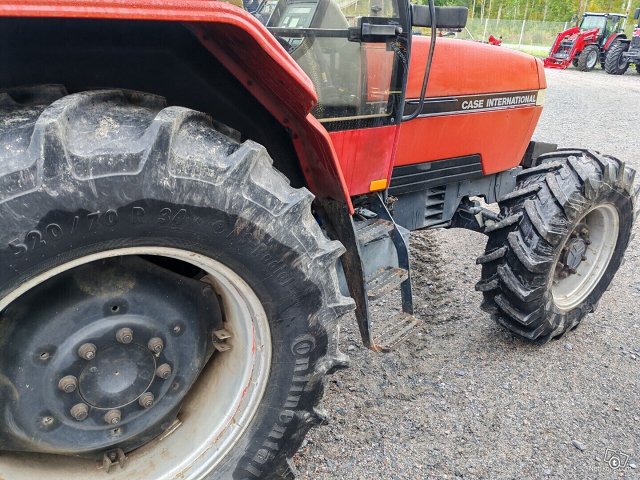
point(402, 325)
point(384, 281)
point(373, 231)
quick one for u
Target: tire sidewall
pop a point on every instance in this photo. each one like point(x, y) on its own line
point(44, 231)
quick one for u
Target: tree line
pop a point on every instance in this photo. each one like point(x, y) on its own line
point(551, 10)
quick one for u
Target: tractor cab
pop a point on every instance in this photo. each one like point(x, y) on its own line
point(350, 50)
point(607, 24)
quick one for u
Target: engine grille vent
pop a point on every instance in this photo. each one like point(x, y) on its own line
point(425, 176)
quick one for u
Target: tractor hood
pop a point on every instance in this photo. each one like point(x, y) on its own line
point(482, 100)
point(464, 67)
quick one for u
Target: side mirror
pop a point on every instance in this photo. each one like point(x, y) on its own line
point(636, 14)
point(446, 17)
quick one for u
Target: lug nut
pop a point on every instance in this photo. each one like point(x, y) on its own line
point(163, 371)
point(68, 384)
point(79, 411)
point(87, 351)
point(113, 417)
point(155, 345)
point(146, 400)
point(124, 335)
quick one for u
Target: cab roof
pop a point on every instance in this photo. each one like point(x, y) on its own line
point(593, 14)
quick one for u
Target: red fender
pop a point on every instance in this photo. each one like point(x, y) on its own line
point(612, 38)
point(264, 67)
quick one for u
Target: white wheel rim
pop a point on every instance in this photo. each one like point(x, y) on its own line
point(216, 411)
point(592, 58)
point(603, 222)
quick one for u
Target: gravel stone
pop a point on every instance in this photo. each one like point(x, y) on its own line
point(579, 445)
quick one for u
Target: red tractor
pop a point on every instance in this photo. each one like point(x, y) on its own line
point(192, 197)
point(625, 52)
point(586, 45)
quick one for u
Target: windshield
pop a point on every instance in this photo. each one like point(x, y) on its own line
point(589, 23)
point(354, 80)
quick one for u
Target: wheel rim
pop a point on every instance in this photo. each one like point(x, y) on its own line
point(592, 58)
point(622, 62)
point(217, 409)
point(574, 281)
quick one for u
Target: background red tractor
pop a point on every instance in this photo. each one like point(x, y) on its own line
point(585, 45)
point(625, 52)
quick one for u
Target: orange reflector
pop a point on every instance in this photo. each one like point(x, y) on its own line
point(378, 185)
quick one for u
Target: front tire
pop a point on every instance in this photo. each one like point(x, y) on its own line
point(94, 175)
point(564, 212)
point(615, 63)
point(588, 58)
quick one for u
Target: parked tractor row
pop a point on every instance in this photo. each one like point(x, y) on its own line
point(625, 52)
point(599, 38)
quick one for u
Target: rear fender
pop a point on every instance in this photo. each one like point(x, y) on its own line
point(612, 39)
point(256, 59)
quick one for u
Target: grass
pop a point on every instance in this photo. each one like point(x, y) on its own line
point(535, 50)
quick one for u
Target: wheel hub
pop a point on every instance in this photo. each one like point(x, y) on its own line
point(117, 377)
point(102, 356)
point(574, 252)
point(585, 256)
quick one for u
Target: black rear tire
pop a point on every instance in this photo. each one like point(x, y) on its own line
point(102, 170)
point(615, 63)
point(588, 58)
point(518, 267)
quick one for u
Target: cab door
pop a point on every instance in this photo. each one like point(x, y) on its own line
point(355, 52)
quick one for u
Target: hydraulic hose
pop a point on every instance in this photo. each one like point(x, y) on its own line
point(432, 49)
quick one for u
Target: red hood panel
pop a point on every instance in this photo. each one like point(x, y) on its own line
point(463, 67)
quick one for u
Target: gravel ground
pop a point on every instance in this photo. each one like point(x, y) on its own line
point(465, 399)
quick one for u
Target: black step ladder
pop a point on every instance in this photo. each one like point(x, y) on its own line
point(386, 280)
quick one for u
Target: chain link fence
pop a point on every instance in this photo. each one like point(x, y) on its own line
point(532, 36)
